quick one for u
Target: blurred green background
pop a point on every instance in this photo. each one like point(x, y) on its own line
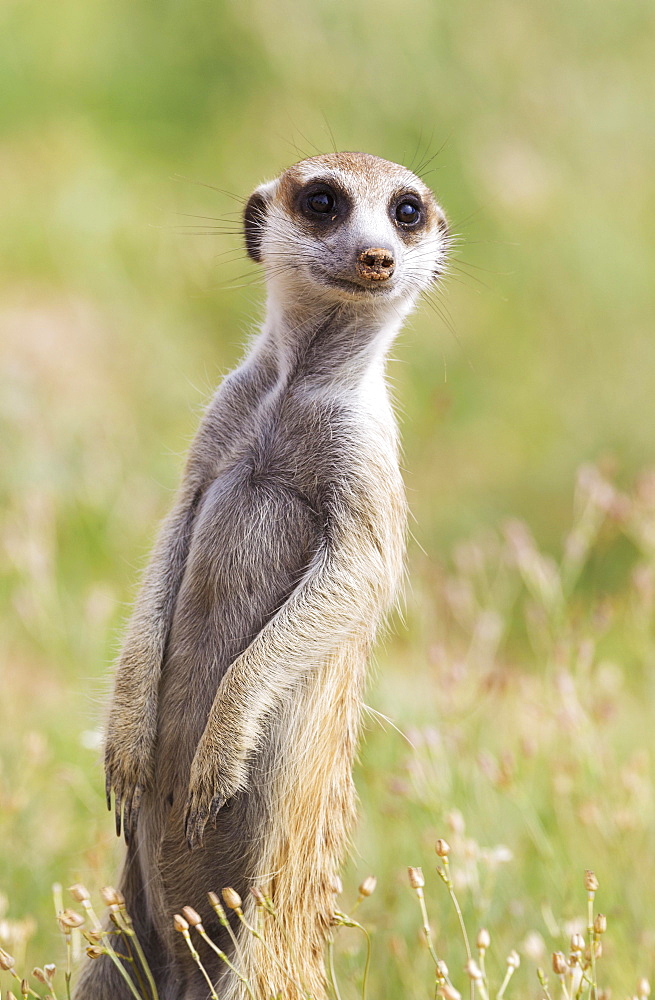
point(123, 126)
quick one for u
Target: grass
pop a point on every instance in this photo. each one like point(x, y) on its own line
point(575, 973)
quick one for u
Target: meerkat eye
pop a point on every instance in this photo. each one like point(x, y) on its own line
point(408, 212)
point(320, 202)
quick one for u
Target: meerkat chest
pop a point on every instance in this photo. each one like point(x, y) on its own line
point(252, 540)
point(262, 515)
point(253, 537)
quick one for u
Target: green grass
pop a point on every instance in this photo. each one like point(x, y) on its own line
point(528, 711)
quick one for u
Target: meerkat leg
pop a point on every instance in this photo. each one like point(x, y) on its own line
point(100, 979)
point(132, 724)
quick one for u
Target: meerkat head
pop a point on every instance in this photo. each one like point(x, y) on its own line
point(348, 227)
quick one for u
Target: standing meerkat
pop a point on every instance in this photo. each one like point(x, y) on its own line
point(238, 694)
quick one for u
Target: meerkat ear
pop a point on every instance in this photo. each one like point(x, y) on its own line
point(254, 218)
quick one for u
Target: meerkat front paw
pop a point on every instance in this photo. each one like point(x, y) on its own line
point(211, 785)
point(127, 774)
point(202, 807)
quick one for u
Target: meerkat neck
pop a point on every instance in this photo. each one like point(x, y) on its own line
point(321, 343)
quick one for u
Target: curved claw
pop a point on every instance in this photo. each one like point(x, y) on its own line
point(193, 829)
point(117, 808)
point(215, 808)
point(197, 818)
point(135, 808)
point(127, 817)
point(131, 812)
point(127, 793)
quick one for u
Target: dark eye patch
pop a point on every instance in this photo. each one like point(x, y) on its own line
point(322, 202)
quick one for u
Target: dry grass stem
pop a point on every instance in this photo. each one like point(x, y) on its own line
point(182, 927)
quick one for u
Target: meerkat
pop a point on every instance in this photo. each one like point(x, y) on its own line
point(237, 698)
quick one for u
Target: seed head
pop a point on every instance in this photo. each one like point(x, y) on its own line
point(590, 881)
point(643, 988)
point(50, 970)
point(192, 916)
point(40, 975)
point(455, 821)
point(10, 995)
point(442, 847)
point(513, 960)
point(79, 893)
point(600, 923)
point(336, 885)
point(217, 906)
point(560, 965)
point(231, 898)
point(367, 888)
point(180, 924)
point(95, 951)
point(69, 919)
point(112, 897)
point(6, 961)
point(442, 969)
point(577, 943)
point(483, 939)
point(416, 879)
point(448, 992)
point(473, 970)
point(24, 987)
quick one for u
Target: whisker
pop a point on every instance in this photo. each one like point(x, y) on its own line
point(228, 217)
point(212, 187)
point(416, 151)
point(330, 132)
point(421, 170)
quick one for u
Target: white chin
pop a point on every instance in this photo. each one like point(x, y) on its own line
point(351, 291)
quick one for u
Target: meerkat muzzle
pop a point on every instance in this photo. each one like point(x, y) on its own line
point(375, 264)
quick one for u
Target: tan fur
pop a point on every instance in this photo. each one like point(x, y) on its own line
point(237, 700)
point(315, 809)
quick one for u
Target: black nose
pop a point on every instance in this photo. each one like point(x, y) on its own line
point(375, 264)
